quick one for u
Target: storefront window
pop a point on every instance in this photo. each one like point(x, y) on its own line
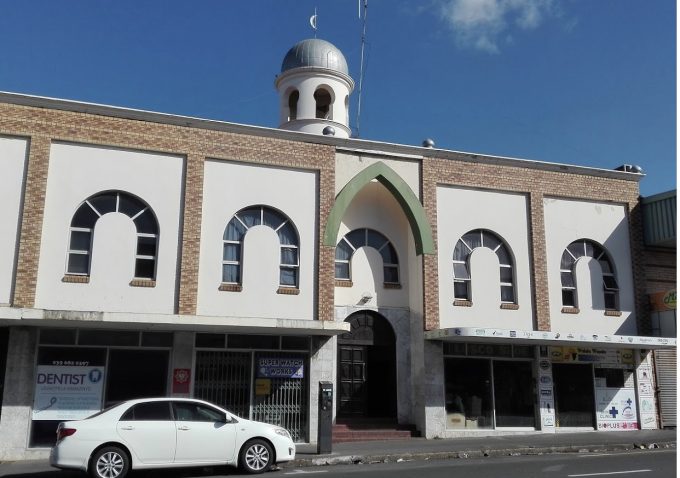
point(489, 392)
point(68, 386)
point(514, 393)
point(468, 393)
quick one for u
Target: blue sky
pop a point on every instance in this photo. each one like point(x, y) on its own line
point(588, 82)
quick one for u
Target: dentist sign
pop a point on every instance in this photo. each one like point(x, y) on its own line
point(67, 392)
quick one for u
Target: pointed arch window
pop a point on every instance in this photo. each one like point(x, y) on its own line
point(462, 279)
point(234, 234)
point(358, 238)
point(587, 248)
point(81, 232)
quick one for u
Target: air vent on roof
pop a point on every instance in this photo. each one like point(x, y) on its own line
point(630, 168)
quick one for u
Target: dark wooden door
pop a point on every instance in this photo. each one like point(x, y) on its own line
point(352, 380)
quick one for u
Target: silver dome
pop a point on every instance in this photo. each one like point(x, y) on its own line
point(316, 53)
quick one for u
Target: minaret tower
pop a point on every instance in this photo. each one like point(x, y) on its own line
point(314, 88)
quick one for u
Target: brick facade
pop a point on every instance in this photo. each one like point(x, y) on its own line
point(31, 220)
point(44, 126)
point(471, 171)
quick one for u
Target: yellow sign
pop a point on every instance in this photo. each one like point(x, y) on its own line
point(669, 299)
point(592, 354)
point(663, 300)
point(263, 386)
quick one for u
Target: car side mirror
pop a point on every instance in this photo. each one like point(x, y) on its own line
point(228, 419)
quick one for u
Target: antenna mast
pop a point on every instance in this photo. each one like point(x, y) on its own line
point(361, 71)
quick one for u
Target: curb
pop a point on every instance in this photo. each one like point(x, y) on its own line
point(462, 454)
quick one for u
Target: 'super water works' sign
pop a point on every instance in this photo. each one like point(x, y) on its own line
point(280, 367)
point(67, 392)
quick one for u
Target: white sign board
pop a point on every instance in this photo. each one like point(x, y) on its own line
point(67, 392)
point(616, 409)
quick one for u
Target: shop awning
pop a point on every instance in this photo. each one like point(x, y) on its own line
point(534, 337)
point(169, 322)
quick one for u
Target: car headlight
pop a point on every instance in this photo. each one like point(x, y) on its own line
point(282, 431)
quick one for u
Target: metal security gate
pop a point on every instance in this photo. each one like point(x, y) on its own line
point(667, 384)
point(224, 378)
point(285, 404)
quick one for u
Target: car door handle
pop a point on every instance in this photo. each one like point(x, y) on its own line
point(183, 427)
point(127, 427)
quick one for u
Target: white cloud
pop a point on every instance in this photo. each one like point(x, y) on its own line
point(481, 23)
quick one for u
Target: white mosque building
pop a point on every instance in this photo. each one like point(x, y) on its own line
point(443, 293)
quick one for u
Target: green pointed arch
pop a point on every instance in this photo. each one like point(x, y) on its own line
point(415, 213)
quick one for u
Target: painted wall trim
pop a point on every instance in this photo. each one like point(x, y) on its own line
point(415, 213)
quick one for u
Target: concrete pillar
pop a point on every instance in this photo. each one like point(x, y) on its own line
point(182, 358)
point(17, 402)
point(322, 368)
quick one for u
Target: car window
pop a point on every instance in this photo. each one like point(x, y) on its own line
point(110, 407)
point(195, 412)
point(152, 411)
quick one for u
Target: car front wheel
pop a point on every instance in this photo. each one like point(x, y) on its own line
point(110, 462)
point(256, 456)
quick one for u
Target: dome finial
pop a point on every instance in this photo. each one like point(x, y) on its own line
point(313, 21)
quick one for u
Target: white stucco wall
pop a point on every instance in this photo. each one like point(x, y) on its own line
point(462, 210)
point(77, 172)
point(229, 187)
point(307, 83)
point(374, 207)
point(13, 152)
point(607, 224)
point(348, 165)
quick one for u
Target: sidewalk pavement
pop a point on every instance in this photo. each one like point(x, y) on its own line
point(472, 447)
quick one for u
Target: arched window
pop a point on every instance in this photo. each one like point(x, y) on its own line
point(323, 104)
point(292, 105)
point(89, 212)
point(346, 109)
point(461, 264)
point(235, 232)
point(587, 248)
point(366, 238)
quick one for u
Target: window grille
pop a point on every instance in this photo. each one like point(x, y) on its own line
point(587, 248)
point(462, 279)
point(234, 234)
point(358, 238)
point(86, 216)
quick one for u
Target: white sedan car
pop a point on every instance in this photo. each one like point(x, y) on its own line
point(165, 433)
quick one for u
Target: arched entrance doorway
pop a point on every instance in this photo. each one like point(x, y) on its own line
point(367, 371)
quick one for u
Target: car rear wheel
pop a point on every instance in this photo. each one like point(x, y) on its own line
point(110, 462)
point(256, 457)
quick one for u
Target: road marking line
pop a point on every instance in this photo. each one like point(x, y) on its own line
point(612, 473)
point(303, 472)
point(598, 454)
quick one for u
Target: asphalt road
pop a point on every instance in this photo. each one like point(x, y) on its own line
point(636, 464)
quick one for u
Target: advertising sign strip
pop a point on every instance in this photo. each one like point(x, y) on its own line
point(592, 354)
point(67, 392)
point(280, 367)
point(547, 403)
point(645, 383)
point(542, 337)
